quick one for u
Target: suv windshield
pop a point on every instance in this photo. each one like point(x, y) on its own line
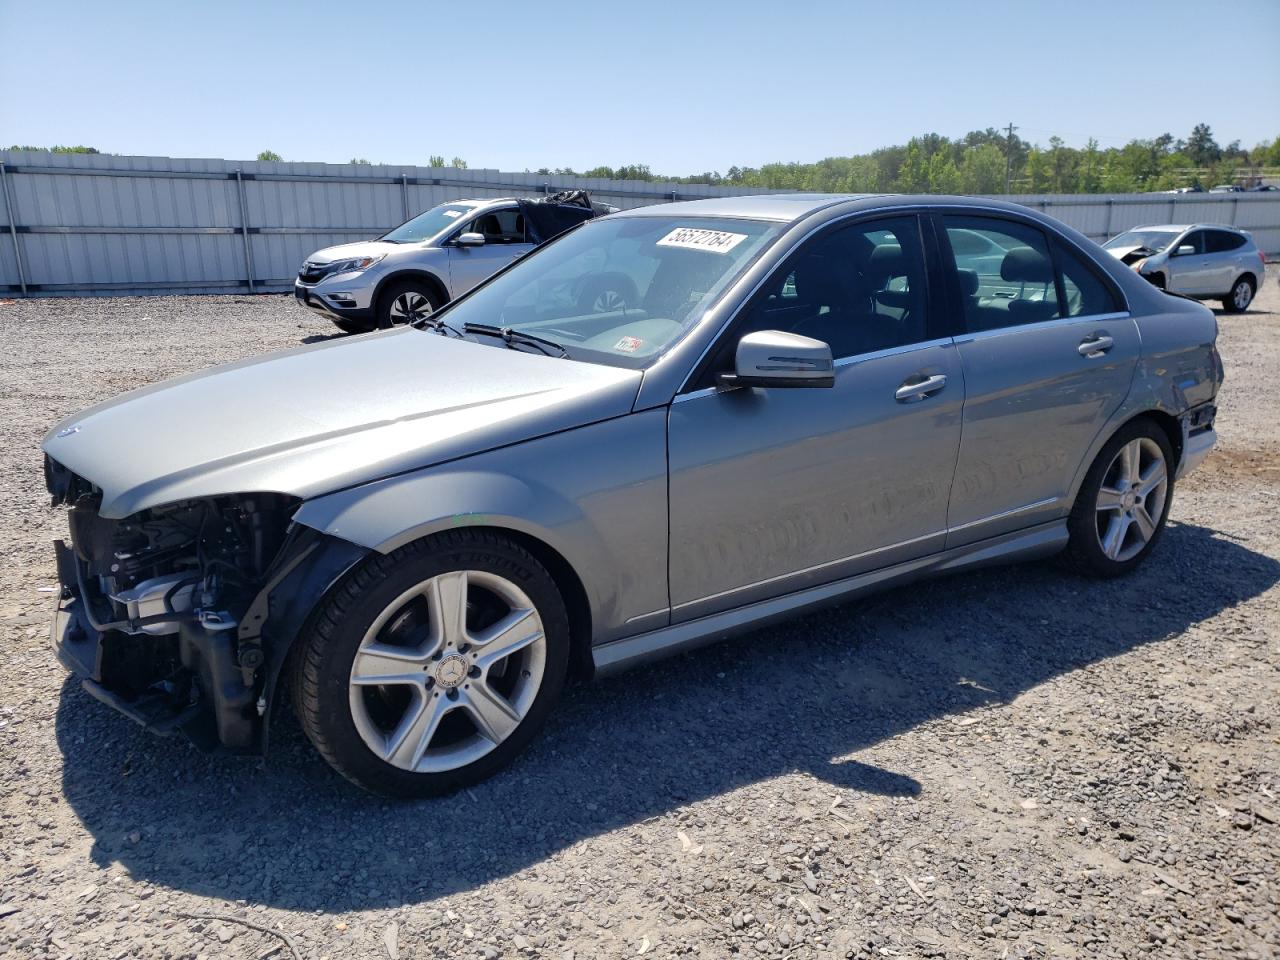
point(426, 225)
point(1153, 240)
point(618, 291)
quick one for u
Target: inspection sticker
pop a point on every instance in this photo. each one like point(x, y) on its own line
point(453, 213)
point(693, 238)
point(629, 344)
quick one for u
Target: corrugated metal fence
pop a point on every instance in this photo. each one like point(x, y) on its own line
point(74, 224)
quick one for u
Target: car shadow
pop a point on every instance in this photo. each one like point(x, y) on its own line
point(802, 696)
point(323, 337)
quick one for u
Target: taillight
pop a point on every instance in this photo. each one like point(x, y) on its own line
point(1262, 258)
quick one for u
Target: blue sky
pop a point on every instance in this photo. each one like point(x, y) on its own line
point(682, 87)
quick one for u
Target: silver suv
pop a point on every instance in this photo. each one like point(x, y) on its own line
point(436, 257)
point(1203, 261)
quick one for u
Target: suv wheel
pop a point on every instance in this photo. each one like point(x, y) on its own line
point(1123, 503)
point(1241, 295)
point(406, 302)
point(433, 667)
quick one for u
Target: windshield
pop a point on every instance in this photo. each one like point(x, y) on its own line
point(1153, 240)
point(426, 225)
point(618, 291)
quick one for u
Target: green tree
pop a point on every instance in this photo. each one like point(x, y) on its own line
point(269, 155)
point(1201, 147)
point(435, 160)
point(77, 149)
point(359, 161)
point(982, 169)
point(459, 163)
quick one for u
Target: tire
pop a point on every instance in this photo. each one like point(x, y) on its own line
point(447, 715)
point(1111, 527)
point(1241, 295)
point(406, 301)
point(351, 326)
point(606, 294)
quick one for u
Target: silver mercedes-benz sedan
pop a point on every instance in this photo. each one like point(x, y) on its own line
point(809, 397)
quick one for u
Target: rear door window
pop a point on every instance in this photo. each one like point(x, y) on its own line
point(1083, 290)
point(1006, 272)
point(1220, 241)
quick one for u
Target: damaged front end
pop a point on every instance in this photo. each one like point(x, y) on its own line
point(181, 616)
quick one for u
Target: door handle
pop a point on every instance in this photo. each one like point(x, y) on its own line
point(1095, 346)
point(919, 389)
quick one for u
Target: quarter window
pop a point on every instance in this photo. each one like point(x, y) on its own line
point(1010, 281)
point(859, 289)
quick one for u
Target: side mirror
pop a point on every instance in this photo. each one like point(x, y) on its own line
point(774, 358)
point(470, 240)
point(1185, 250)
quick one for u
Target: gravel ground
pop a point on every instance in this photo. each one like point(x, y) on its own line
point(1005, 763)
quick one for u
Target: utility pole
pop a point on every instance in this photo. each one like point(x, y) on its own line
point(1008, 155)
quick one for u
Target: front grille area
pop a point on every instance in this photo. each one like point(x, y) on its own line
point(312, 272)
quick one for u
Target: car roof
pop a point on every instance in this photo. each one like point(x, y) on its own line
point(783, 207)
point(1180, 227)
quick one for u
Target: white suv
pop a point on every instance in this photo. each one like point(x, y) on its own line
point(436, 257)
point(1203, 261)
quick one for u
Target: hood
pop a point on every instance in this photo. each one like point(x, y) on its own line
point(361, 248)
point(1118, 252)
point(317, 419)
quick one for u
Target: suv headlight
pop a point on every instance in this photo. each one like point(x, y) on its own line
point(354, 265)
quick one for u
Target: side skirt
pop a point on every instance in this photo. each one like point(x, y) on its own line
point(619, 655)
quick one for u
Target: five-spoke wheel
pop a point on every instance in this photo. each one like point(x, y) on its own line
point(1131, 498)
point(447, 671)
point(1123, 502)
point(433, 666)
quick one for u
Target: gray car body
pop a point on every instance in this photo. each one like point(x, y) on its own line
point(630, 481)
point(448, 269)
point(1201, 275)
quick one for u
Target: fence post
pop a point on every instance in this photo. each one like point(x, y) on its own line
point(13, 230)
point(244, 231)
point(1107, 229)
point(404, 194)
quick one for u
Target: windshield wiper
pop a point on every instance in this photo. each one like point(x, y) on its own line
point(431, 322)
point(513, 337)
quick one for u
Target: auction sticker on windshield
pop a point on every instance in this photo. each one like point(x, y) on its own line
point(693, 238)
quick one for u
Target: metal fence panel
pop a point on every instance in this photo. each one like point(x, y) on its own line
point(95, 224)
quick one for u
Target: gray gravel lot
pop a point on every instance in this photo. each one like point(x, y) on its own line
point(1006, 763)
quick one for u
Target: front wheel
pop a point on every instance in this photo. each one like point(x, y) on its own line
point(432, 667)
point(408, 301)
point(1123, 503)
point(1241, 295)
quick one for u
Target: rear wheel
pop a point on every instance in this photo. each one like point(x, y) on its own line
point(433, 667)
point(1241, 295)
point(1123, 503)
point(408, 301)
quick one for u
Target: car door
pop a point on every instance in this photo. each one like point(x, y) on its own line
point(776, 489)
point(1222, 251)
point(505, 239)
point(1048, 357)
point(1190, 272)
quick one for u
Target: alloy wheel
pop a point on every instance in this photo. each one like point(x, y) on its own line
point(1131, 499)
point(410, 307)
point(447, 671)
point(1242, 295)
